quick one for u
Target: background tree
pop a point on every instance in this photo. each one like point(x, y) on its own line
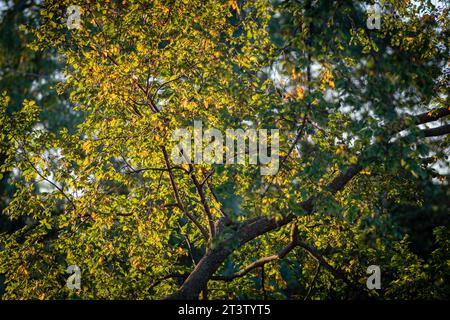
point(363, 119)
point(27, 74)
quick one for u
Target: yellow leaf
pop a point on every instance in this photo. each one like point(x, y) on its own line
point(353, 159)
point(234, 5)
point(293, 74)
point(340, 150)
point(300, 92)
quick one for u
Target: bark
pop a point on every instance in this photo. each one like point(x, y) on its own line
point(435, 132)
point(204, 270)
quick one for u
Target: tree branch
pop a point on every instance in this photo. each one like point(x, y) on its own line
point(438, 131)
point(261, 262)
point(311, 285)
point(432, 115)
point(316, 254)
point(204, 202)
point(177, 196)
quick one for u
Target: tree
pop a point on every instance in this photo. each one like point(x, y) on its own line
point(27, 74)
point(353, 105)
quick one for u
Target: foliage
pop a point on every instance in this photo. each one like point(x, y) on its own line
point(106, 197)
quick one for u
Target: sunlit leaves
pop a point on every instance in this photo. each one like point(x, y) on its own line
point(138, 70)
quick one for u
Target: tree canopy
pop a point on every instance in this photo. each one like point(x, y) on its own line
point(363, 170)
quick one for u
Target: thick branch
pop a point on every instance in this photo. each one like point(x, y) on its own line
point(204, 270)
point(426, 117)
point(432, 115)
point(438, 131)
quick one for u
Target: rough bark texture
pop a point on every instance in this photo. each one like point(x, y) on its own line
point(198, 278)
